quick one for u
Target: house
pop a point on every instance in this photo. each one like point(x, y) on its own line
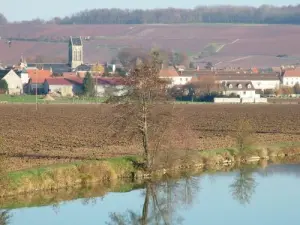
point(36, 80)
point(291, 77)
point(173, 77)
point(24, 76)
point(13, 80)
point(58, 85)
point(111, 86)
point(243, 89)
point(259, 81)
point(77, 83)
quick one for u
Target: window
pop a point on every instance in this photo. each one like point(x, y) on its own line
point(240, 86)
point(249, 86)
point(230, 85)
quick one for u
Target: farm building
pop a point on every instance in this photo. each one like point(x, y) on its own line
point(243, 89)
point(110, 87)
point(291, 77)
point(259, 81)
point(175, 79)
point(36, 80)
point(13, 80)
point(58, 85)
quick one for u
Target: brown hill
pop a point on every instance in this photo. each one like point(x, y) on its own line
point(234, 45)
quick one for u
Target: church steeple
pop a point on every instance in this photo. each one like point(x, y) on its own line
point(75, 52)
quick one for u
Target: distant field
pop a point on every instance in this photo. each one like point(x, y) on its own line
point(253, 45)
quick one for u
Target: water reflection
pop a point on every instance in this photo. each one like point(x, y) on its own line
point(4, 217)
point(243, 186)
point(162, 202)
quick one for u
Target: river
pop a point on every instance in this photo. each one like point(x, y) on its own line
point(243, 197)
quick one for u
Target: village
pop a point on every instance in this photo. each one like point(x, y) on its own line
point(209, 84)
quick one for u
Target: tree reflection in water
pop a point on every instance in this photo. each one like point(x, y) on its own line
point(162, 202)
point(4, 217)
point(243, 187)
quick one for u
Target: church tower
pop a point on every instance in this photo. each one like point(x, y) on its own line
point(75, 52)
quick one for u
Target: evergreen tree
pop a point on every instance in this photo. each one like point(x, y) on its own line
point(297, 88)
point(3, 86)
point(88, 85)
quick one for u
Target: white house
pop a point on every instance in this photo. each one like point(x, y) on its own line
point(259, 81)
point(13, 80)
point(243, 89)
point(174, 78)
point(291, 77)
point(24, 76)
point(112, 86)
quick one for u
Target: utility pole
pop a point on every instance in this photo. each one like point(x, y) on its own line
point(36, 87)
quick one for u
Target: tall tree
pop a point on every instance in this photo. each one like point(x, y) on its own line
point(3, 86)
point(297, 88)
point(88, 85)
point(146, 90)
point(3, 19)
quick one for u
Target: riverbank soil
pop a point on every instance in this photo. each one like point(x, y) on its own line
point(67, 133)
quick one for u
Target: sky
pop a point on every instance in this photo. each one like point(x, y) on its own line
point(30, 9)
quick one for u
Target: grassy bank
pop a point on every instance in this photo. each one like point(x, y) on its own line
point(31, 99)
point(108, 171)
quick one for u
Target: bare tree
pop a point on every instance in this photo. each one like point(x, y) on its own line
point(4, 217)
point(243, 187)
point(162, 201)
point(146, 91)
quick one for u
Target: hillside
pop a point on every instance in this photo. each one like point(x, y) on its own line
point(230, 45)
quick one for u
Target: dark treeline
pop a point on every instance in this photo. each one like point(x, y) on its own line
point(217, 14)
point(3, 20)
point(265, 14)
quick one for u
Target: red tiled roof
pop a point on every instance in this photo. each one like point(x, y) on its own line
point(58, 81)
point(292, 73)
point(111, 81)
point(168, 73)
point(38, 76)
point(74, 79)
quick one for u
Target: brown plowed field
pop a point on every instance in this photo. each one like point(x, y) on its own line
point(64, 133)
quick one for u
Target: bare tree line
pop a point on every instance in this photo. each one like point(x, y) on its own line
point(265, 14)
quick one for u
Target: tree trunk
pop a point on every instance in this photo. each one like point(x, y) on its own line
point(145, 136)
point(145, 206)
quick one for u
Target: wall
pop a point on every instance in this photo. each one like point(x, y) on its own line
point(291, 81)
point(241, 93)
point(14, 83)
point(108, 90)
point(261, 100)
point(24, 78)
point(179, 80)
point(64, 90)
point(227, 100)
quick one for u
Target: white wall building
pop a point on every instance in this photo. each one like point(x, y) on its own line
point(14, 82)
point(291, 77)
point(174, 78)
point(242, 89)
point(259, 82)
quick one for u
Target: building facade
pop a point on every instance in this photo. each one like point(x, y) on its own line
point(75, 52)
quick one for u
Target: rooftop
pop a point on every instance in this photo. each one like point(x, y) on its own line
point(38, 76)
point(168, 73)
point(292, 73)
point(58, 81)
point(244, 85)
